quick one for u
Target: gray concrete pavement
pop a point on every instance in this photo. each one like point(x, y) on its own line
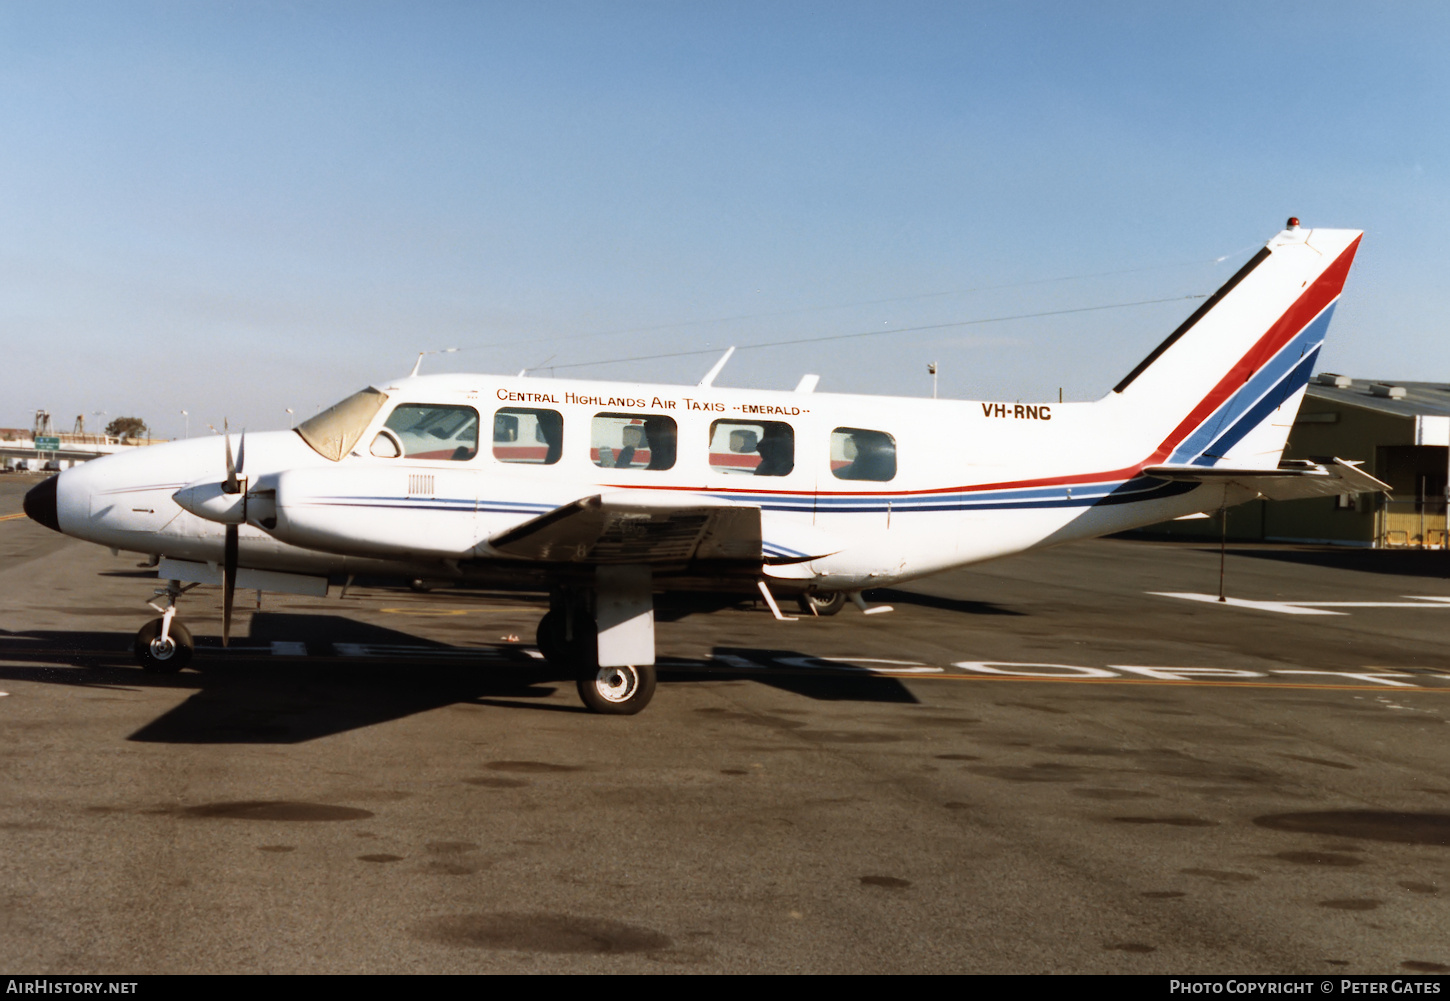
point(889, 793)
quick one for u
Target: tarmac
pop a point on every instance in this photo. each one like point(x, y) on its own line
point(1073, 761)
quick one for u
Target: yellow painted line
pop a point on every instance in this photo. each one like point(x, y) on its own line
point(11, 517)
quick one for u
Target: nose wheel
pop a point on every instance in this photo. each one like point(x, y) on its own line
point(160, 650)
point(165, 646)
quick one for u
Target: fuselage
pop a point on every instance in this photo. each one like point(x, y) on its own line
point(416, 476)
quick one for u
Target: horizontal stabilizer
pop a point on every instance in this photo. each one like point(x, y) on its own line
point(620, 528)
point(1293, 480)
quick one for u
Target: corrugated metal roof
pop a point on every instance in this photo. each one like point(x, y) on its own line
point(1420, 399)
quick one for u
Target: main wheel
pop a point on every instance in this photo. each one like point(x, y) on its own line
point(617, 691)
point(163, 658)
point(550, 639)
point(822, 602)
point(577, 652)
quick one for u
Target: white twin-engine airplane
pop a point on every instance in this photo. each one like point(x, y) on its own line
point(608, 492)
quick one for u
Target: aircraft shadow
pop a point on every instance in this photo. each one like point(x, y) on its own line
point(1396, 562)
point(892, 596)
point(249, 694)
point(818, 678)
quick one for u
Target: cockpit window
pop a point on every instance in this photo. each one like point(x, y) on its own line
point(434, 431)
point(337, 429)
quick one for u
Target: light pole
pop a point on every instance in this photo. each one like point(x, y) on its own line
point(188, 424)
point(931, 368)
point(289, 415)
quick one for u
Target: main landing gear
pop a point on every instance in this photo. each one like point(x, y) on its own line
point(165, 646)
point(822, 602)
point(569, 639)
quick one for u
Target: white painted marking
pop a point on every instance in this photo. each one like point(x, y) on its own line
point(3, 694)
point(1287, 608)
point(1377, 678)
point(819, 663)
point(1309, 607)
point(996, 667)
point(1187, 673)
point(1074, 672)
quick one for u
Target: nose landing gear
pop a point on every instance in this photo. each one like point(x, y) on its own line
point(165, 646)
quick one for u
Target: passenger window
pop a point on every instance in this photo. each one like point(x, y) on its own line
point(858, 454)
point(524, 435)
point(633, 441)
point(757, 448)
point(428, 431)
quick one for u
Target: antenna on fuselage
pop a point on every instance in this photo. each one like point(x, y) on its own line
point(709, 379)
point(417, 364)
point(807, 383)
point(523, 372)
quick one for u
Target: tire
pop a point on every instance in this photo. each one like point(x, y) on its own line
point(580, 653)
point(617, 691)
point(822, 602)
point(168, 659)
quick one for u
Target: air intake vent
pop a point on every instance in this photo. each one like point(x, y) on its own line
point(420, 484)
point(1332, 379)
point(1385, 389)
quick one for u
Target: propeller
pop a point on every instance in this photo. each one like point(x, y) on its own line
point(233, 485)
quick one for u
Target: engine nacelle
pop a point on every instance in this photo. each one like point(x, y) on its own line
point(370, 511)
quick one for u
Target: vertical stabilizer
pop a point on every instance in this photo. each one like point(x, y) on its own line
point(1224, 388)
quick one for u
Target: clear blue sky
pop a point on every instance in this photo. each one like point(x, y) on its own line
point(235, 208)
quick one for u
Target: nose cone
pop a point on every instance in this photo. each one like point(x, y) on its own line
point(40, 504)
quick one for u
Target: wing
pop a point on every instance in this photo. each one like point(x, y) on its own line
point(626, 528)
point(1291, 481)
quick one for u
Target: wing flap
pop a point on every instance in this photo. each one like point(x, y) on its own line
point(628, 529)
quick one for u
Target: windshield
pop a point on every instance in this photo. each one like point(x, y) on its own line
point(337, 429)
point(433, 431)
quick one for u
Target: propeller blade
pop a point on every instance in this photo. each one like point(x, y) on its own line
point(231, 485)
point(229, 582)
point(242, 452)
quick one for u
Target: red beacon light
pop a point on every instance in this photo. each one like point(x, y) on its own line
point(1293, 222)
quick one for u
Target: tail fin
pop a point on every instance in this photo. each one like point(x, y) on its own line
point(1225, 386)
